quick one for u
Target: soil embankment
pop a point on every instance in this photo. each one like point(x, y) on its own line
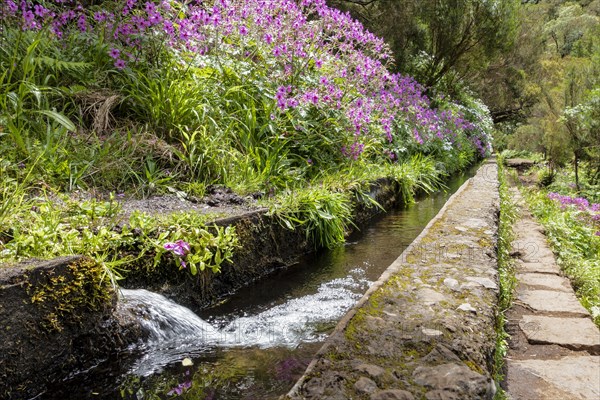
point(426, 328)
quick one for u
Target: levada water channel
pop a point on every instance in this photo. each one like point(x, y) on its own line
point(258, 342)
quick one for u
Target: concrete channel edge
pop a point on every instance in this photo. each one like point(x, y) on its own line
point(470, 374)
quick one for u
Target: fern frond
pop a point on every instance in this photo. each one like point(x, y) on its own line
point(60, 66)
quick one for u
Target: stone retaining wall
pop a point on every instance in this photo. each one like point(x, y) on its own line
point(425, 329)
point(55, 317)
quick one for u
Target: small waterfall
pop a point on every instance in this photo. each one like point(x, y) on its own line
point(175, 332)
point(163, 319)
point(295, 321)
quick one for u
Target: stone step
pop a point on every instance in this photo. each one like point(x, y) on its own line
point(549, 301)
point(537, 267)
point(545, 281)
point(572, 333)
point(531, 250)
point(568, 378)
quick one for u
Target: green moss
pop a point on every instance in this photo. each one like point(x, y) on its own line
point(66, 296)
point(474, 367)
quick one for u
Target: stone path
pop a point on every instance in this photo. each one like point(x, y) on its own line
point(554, 347)
point(425, 329)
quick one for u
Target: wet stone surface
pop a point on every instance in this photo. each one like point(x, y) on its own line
point(426, 328)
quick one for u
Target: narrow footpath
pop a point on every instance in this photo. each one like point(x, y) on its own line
point(554, 346)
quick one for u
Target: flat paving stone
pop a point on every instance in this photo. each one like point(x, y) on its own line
point(569, 378)
point(539, 268)
point(552, 301)
point(573, 333)
point(546, 281)
point(532, 250)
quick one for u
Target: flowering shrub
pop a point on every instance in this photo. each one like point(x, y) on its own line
point(589, 213)
point(313, 63)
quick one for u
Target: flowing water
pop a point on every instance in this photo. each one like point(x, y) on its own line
point(258, 342)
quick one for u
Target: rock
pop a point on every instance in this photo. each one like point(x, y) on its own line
point(375, 322)
point(476, 223)
point(452, 284)
point(485, 282)
point(365, 385)
point(431, 332)
point(429, 296)
point(373, 371)
point(440, 354)
point(552, 301)
point(62, 318)
point(545, 281)
point(455, 378)
point(441, 395)
point(573, 333)
point(537, 267)
point(569, 378)
point(521, 164)
point(467, 307)
point(392, 395)
point(314, 387)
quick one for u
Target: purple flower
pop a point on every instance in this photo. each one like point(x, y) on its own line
point(120, 64)
point(40, 11)
point(179, 248)
point(180, 389)
point(114, 53)
point(29, 18)
point(12, 7)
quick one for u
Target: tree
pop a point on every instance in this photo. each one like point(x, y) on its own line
point(433, 38)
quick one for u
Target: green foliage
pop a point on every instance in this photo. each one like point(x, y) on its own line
point(324, 215)
point(546, 177)
point(54, 225)
point(210, 246)
point(506, 274)
point(418, 174)
point(432, 40)
point(25, 108)
point(167, 99)
point(562, 76)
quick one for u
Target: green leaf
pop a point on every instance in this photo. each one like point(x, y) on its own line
point(59, 118)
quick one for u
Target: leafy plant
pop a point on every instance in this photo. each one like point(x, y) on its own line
point(325, 216)
point(506, 274)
